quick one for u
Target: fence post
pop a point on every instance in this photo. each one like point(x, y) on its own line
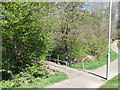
point(57, 59)
point(83, 65)
point(66, 63)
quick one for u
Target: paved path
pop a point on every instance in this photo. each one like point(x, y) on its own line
point(85, 79)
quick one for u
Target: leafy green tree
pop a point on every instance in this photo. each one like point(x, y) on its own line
point(73, 31)
point(24, 31)
point(68, 20)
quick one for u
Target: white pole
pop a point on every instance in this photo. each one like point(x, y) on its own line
point(109, 34)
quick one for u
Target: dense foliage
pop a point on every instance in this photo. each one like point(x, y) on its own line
point(28, 76)
point(72, 36)
point(25, 35)
point(34, 82)
point(33, 30)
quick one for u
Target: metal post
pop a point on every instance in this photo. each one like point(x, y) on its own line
point(109, 34)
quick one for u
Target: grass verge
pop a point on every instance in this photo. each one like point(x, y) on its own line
point(59, 76)
point(94, 64)
point(111, 83)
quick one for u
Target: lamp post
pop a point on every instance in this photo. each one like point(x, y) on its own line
point(109, 34)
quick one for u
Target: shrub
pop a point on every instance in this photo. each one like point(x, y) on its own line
point(38, 71)
point(97, 48)
point(29, 75)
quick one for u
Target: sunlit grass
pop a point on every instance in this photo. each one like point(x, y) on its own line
point(94, 64)
point(112, 83)
point(43, 82)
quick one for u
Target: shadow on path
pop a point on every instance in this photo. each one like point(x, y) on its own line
point(95, 74)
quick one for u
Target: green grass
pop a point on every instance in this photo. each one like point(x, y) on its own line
point(111, 83)
point(118, 44)
point(59, 76)
point(94, 64)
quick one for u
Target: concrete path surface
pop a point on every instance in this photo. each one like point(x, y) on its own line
point(88, 78)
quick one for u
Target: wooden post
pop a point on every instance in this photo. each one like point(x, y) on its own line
point(83, 65)
point(57, 58)
point(83, 61)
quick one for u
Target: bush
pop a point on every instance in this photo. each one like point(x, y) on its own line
point(6, 74)
point(28, 76)
point(12, 83)
point(79, 49)
point(38, 71)
point(97, 48)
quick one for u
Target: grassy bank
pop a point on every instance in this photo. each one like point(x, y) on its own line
point(37, 82)
point(94, 64)
point(111, 83)
point(43, 82)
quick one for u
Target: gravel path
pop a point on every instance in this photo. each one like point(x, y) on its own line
point(87, 78)
point(71, 72)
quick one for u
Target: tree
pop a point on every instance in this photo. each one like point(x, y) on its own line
point(74, 27)
point(71, 17)
point(25, 35)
